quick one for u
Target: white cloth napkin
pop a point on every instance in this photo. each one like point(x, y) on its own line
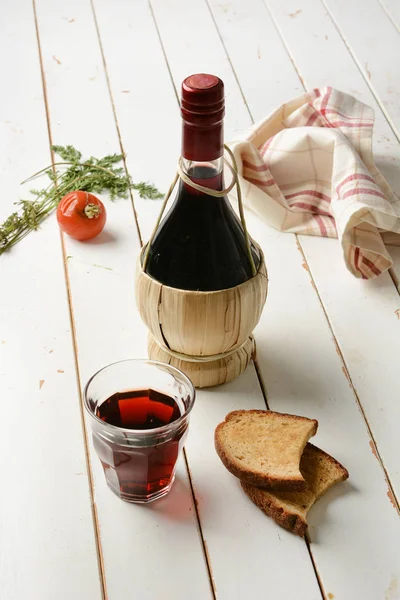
point(308, 168)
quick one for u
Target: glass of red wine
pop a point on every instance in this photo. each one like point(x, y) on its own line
point(139, 414)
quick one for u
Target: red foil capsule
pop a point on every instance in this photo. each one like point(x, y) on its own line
point(202, 109)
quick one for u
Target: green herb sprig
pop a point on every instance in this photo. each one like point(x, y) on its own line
point(91, 175)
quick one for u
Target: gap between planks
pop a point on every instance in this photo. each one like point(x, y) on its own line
point(163, 49)
point(391, 18)
point(228, 58)
point(395, 279)
point(103, 58)
point(314, 564)
point(200, 531)
point(203, 541)
point(359, 67)
point(96, 528)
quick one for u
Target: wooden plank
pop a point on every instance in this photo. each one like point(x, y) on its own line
point(375, 45)
point(241, 551)
point(305, 376)
point(48, 547)
point(246, 549)
point(147, 549)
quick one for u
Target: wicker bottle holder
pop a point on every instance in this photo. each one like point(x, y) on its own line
point(207, 335)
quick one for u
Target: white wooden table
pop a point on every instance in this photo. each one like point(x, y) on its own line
point(104, 76)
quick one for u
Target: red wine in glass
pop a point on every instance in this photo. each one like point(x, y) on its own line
point(140, 470)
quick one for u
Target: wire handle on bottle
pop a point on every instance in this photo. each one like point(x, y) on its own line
point(216, 194)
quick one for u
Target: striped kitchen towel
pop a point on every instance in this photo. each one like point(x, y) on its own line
point(309, 168)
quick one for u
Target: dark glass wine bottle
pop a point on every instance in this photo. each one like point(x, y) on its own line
point(200, 244)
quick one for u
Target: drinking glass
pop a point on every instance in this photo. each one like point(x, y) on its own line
point(139, 463)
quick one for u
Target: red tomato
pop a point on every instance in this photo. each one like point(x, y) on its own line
point(81, 215)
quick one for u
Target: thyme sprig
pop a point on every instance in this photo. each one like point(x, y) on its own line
point(91, 175)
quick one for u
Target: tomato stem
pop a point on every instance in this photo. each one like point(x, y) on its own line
point(92, 210)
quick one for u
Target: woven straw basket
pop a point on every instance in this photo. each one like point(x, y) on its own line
point(207, 335)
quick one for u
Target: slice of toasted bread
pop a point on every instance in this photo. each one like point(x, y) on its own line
point(290, 509)
point(264, 448)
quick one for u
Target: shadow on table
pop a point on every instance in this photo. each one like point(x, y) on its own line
point(390, 171)
point(177, 505)
point(295, 376)
point(319, 515)
point(105, 237)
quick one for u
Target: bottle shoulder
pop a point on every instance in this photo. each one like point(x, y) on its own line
point(200, 244)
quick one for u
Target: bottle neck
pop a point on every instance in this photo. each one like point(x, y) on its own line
point(206, 173)
point(202, 143)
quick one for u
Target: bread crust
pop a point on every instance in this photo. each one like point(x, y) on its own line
point(235, 413)
point(286, 519)
point(344, 474)
point(260, 480)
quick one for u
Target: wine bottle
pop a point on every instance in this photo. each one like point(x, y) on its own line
point(200, 244)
